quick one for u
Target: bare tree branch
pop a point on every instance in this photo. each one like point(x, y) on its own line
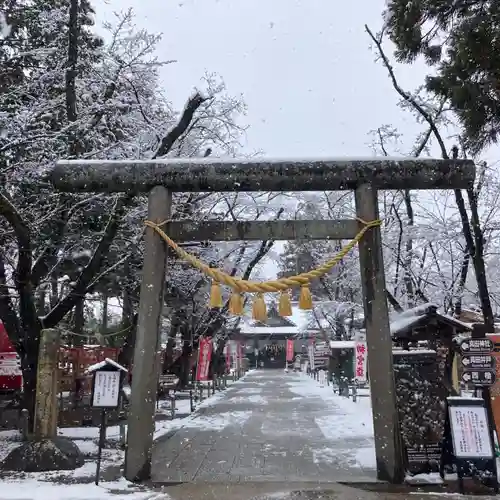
point(182, 125)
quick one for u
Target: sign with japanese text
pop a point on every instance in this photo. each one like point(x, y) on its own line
point(479, 377)
point(106, 389)
point(425, 457)
point(470, 432)
point(360, 358)
point(476, 346)
point(478, 362)
point(10, 364)
point(204, 356)
point(290, 350)
point(322, 353)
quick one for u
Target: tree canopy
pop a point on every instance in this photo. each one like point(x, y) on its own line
point(461, 40)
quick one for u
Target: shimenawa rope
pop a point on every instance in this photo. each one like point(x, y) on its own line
point(282, 285)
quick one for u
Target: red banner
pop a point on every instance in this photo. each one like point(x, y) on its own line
point(290, 350)
point(204, 356)
point(240, 352)
point(228, 356)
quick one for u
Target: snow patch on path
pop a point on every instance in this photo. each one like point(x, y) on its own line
point(33, 489)
point(250, 399)
point(249, 390)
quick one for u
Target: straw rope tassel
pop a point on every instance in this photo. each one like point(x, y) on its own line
point(259, 310)
point(236, 304)
point(240, 286)
point(284, 304)
point(305, 298)
point(215, 295)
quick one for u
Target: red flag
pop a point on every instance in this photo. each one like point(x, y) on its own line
point(290, 350)
point(228, 356)
point(204, 356)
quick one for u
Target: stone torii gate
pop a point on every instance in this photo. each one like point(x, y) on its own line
point(160, 178)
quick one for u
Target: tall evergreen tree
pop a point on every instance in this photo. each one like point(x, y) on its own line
point(461, 39)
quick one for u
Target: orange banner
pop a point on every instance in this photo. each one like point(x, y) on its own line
point(495, 388)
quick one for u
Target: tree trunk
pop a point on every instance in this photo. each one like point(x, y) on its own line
point(54, 291)
point(79, 323)
point(179, 322)
point(185, 359)
point(126, 354)
point(40, 303)
point(29, 366)
point(104, 318)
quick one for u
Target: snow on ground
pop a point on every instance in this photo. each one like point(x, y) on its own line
point(351, 419)
point(33, 489)
point(250, 390)
point(79, 484)
point(348, 420)
point(256, 399)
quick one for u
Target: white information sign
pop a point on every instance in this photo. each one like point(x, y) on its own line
point(469, 429)
point(106, 389)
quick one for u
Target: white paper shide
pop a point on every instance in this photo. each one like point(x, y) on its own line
point(106, 389)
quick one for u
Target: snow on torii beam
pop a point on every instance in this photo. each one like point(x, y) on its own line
point(213, 174)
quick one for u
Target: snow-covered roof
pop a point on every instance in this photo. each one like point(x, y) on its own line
point(342, 344)
point(299, 318)
point(102, 364)
point(404, 352)
point(413, 318)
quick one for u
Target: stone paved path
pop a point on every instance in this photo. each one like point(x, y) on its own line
point(264, 428)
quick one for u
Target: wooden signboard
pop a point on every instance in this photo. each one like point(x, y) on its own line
point(106, 389)
point(468, 441)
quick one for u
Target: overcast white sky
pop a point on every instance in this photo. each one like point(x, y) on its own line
point(305, 68)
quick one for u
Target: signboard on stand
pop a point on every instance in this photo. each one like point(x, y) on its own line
point(204, 356)
point(468, 441)
point(106, 389)
point(107, 380)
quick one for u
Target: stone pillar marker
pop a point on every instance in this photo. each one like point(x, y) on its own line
point(46, 408)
